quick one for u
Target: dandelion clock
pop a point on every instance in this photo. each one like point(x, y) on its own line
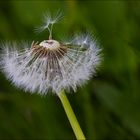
point(52, 65)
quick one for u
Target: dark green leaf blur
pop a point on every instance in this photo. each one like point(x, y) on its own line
point(108, 106)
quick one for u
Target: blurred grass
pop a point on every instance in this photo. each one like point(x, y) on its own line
point(108, 107)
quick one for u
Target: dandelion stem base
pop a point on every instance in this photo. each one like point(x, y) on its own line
point(71, 116)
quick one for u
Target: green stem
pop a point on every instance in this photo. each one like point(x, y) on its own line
point(71, 116)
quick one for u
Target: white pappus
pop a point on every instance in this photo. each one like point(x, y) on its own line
point(51, 64)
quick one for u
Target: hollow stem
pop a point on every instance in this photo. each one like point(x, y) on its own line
point(71, 116)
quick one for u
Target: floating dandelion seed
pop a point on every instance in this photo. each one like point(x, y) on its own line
point(51, 64)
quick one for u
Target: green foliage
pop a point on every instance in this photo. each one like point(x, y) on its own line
point(107, 107)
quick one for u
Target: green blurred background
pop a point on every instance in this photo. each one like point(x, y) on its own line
point(108, 106)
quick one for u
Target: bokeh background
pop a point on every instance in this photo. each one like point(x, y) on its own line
point(108, 106)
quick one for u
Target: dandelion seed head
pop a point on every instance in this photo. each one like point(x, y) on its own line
point(51, 64)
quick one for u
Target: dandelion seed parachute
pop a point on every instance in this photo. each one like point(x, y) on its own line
point(51, 65)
